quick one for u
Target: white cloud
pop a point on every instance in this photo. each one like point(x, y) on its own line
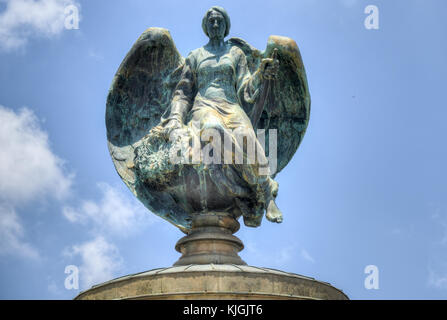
point(28, 167)
point(284, 255)
point(95, 55)
point(29, 170)
point(100, 261)
point(437, 280)
point(437, 275)
point(306, 256)
point(12, 234)
point(114, 212)
point(54, 289)
point(23, 19)
point(279, 258)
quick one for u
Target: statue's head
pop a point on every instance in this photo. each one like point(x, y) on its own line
point(216, 23)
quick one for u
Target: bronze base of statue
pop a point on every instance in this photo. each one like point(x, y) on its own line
point(211, 240)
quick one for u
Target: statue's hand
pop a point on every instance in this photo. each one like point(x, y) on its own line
point(172, 125)
point(269, 68)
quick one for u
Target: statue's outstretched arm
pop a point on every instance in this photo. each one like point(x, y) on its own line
point(247, 84)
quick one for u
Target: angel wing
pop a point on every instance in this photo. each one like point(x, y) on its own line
point(139, 95)
point(287, 108)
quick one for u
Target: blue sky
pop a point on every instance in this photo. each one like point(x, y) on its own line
point(368, 185)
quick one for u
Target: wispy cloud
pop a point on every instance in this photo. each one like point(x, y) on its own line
point(437, 279)
point(12, 235)
point(284, 255)
point(28, 167)
point(95, 55)
point(100, 260)
point(437, 274)
point(279, 258)
point(23, 19)
point(114, 212)
point(54, 288)
point(306, 256)
point(439, 218)
point(29, 171)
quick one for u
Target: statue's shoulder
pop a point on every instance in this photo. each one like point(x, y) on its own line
point(242, 46)
point(235, 49)
point(194, 56)
point(194, 53)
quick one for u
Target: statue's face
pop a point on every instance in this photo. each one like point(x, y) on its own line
point(216, 25)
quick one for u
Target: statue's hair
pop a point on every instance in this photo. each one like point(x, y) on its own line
point(223, 12)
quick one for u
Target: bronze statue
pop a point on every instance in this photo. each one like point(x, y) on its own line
point(161, 104)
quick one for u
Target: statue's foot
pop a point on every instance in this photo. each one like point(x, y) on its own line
point(253, 221)
point(273, 213)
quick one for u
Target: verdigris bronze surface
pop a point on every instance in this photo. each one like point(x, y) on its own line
point(227, 86)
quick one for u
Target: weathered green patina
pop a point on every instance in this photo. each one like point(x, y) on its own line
point(224, 86)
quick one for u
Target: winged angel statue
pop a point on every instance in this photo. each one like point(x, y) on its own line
point(161, 104)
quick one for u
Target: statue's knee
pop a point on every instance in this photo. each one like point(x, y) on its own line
point(213, 127)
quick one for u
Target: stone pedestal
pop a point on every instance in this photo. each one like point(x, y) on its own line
point(209, 281)
point(210, 268)
point(211, 240)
